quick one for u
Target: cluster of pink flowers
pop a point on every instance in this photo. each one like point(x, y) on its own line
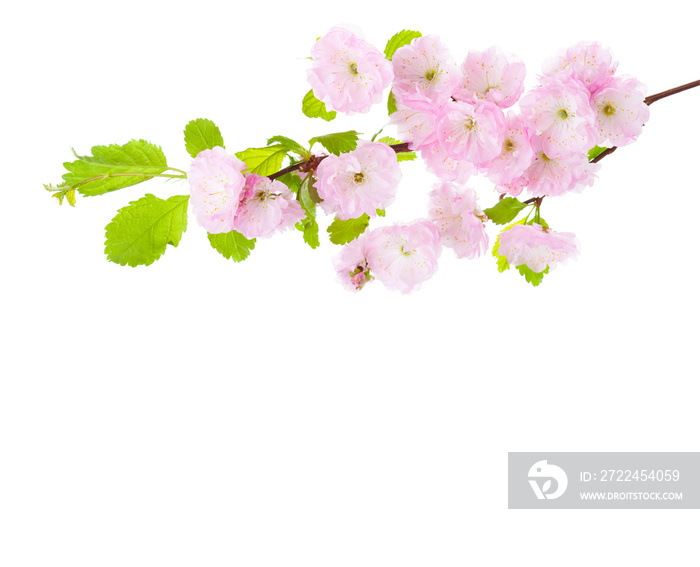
point(463, 121)
point(224, 198)
point(401, 256)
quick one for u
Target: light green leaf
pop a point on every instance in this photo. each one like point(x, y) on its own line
point(502, 261)
point(505, 210)
point(263, 161)
point(62, 191)
point(314, 108)
point(309, 227)
point(291, 180)
point(337, 143)
point(399, 40)
point(391, 103)
point(232, 245)
point(344, 231)
point(381, 213)
point(140, 232)
point(400, 156)
point(535, 278)
point(114, 167)
point(595, 152)
point(202, 134)
point(290, 145)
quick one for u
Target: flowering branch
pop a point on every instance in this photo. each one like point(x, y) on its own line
point(458, 117)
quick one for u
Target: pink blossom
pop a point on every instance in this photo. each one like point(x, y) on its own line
point(216, 182)
point(265, 207)
point(620, 111)
point(493, 76)
point(515, 187)
point(443, 166)
point(351, 264)
point(425, 66)
point(348, 73)
point(404, 256)
point(415, 120)
point(472, 132)
point(556, 176)
point(561, 113)
point(358, 182)
point(516, 152)
point(536, 247)
point(460, 223)
point(585, 62)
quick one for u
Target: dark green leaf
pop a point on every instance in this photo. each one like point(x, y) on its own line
point(202, 134)
point(505, 210)
point(399, 40)
point(232, 245)
point(344, 231)
point(314, 108)
point(337, 143)
point(140, 232)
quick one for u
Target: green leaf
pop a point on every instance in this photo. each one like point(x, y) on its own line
point(505, 210)
point(314, 108)
point(114, 167)
point(535, 278)
point(290, 145)
point(309, 227)
point(381, 213)
point(400, 156)
point(291, 180)
point(337, 143)
point(140, 232)
point(232, 245)
point(263, 161)
point(202, 134)
point(62, 191)
point(595, 152)
point(391, 103)
point(399, 40)
point(344, 231)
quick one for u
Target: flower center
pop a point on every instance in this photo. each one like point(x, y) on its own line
point(563, 114)
point(509, 145)
point(470, 123)
point(353, 68)
point(431, 74)
point(359, 178)
point(608, 110)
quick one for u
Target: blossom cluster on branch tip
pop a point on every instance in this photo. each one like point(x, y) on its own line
point(462, 118)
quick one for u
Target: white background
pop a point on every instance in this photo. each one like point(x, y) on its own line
point(201, 412)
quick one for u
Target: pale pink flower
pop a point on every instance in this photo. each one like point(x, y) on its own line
point(561, 113)
point(515, 187)
point(556, 176)
point(536, 247)
point(460, 223)
point(216, 181)
point(620, 111)
point(348, 73)
point(425, 66)
point(443, 166)
point(351, 264)
point(265, 207)
point(404, 256)
point(586, 62)
point(472, 132)
point(516, 152)
point(491, 75)
point(415, 119)
point(358, 182)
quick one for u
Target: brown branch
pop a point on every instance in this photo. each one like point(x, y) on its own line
point(312, 163)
